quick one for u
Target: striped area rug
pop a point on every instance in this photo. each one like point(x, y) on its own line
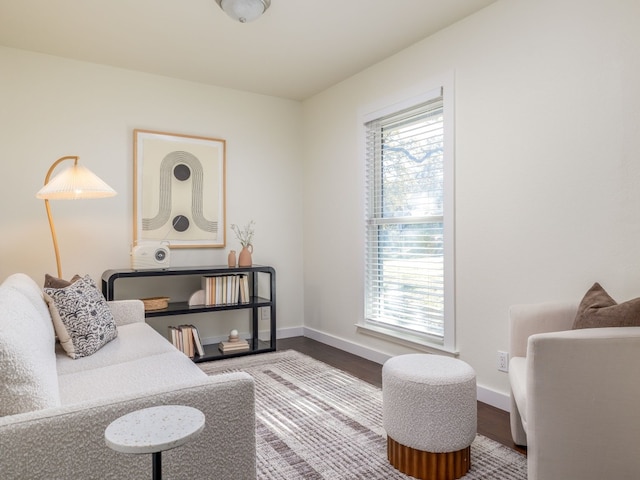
point(316, 422)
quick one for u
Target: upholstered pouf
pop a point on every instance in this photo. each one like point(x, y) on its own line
point(430, 415)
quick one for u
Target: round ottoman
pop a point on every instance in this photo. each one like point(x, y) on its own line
point(429, 412)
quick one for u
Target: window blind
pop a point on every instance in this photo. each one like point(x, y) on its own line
point(404, 226)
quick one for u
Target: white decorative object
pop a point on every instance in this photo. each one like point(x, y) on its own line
point(197, 298)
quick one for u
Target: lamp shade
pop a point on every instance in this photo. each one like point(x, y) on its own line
point(73, 183)
point(244, 10)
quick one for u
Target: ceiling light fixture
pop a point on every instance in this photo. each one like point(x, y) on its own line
point(244, 11)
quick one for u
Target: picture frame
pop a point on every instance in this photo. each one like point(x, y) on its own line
point(179, 190)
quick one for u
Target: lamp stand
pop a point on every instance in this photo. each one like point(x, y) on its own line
point(48, 208)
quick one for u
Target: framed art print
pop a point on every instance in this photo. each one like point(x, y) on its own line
point(179, 190)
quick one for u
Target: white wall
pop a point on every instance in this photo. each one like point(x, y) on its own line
point(51, 107)
point(547, 169)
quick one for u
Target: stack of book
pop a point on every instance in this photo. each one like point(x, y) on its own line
point(234, 346)
point(225, 289)
point(186, 339)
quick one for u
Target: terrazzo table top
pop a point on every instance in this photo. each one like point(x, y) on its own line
point(154, 429)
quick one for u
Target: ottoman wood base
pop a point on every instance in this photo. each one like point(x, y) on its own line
point(428, 465)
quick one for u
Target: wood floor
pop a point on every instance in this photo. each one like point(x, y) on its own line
point(492, 422)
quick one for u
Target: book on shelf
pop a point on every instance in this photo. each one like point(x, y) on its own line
point(173, 336)
point(243, 289)
point(186, 339)
point(197, 341)
point(237, 346)
point(225, 289)
point(187, 334)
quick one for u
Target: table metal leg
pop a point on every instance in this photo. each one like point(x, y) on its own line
point(157, 465)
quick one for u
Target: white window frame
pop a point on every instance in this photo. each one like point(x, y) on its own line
point(442, 86)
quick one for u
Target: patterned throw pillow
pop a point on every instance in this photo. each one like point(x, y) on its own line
point(81, 317)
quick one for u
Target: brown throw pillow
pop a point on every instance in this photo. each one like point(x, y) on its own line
point(598, 309)
point(54, 282)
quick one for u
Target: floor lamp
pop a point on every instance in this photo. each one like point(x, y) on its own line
point(73, 183)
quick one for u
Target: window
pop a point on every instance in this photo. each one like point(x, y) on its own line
point(408, 222)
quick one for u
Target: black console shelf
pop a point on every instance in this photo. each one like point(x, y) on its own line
point(255, 302)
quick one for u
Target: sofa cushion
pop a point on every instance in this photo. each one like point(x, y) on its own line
point(28, 376)
point(598, 309)
point(129, 378)
point(134, 340)
point(81, 317)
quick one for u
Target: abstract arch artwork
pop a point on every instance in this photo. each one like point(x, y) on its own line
point(179, 190)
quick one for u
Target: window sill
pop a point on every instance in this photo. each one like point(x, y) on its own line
point(404, 339)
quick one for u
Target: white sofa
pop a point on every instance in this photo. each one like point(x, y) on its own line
point(55, 409)
point(574, 395)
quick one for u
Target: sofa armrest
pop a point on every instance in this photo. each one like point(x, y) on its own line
point(127, 311)
point(582, 395)
point(527, 320)
point(68, 442)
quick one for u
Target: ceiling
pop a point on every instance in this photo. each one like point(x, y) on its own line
point(295, 50)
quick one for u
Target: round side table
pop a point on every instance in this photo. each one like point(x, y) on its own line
point(153, 430)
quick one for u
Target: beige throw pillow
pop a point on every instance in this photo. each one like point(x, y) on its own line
point(598, 309)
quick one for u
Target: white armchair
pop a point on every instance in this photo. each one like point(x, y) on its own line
point(575, 395)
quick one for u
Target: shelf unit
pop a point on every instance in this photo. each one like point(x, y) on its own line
point(211, 352)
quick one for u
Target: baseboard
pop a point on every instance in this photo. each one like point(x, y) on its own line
point(290, 332)
point(354, 348)
point(493, 398)
point(485, 395)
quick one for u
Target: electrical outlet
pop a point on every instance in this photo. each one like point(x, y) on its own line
point(503, 361)
point(265, 313)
